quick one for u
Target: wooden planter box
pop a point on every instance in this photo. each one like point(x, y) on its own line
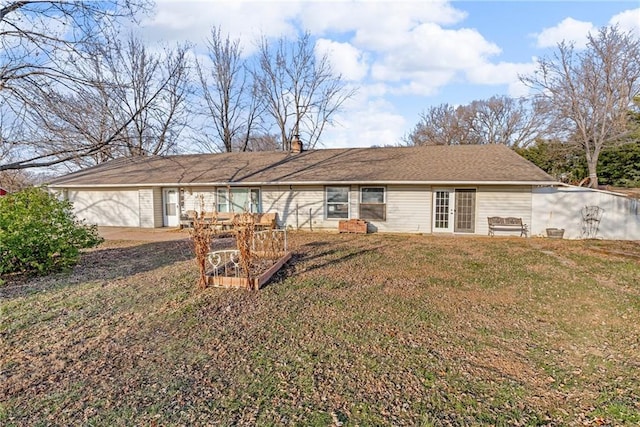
point(555, 233)
point(243, 283)
point(353, 226)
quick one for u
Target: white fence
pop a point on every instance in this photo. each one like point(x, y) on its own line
point(564, 207)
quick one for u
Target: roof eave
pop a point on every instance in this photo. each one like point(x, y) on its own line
point(302, 183)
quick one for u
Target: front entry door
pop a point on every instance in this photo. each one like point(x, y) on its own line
point(454, 211)
point(170, 210)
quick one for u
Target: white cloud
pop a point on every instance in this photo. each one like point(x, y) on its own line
point(629, 20)
point(424, 83)
point(366, 119)
point(375, 22)
point(345, 59)
point(429, 57)
point(372, 124)
point(177, 21)
point(569, 30)
point(503, 73)
point(401, 42)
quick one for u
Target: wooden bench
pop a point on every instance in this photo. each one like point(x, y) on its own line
point(187, 219)
point(222, 220)
point(227, 220)
point(267, 220)
point(497, 223)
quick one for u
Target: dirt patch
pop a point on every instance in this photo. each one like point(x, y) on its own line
point(143, 234)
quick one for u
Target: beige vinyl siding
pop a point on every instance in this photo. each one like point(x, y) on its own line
point(199, 199)
point(408, 209)
point(145, 200)
point(158, 218)
point(111, 207)
point(512, 201)
point(299, 207)
point(354, 201)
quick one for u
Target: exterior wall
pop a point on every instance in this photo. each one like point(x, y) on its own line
point(199, 199)
point(298, 207)
point(408, 210)
point(502, 201)
point(158, 218)
point(145, 200)
point(119, 208)
point(150, 202)
point(562, 208)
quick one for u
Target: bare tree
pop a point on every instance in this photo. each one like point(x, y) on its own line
point(259, 142)
point(498, 120)
point(127, 102)
point(231, 106)
point(300, 91)
point(590, 91)
point(152, 89)
point(516, 123)
point(440, 125)
point(39, 37)
point(41, 43)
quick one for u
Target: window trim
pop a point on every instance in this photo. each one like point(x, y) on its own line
point(327, 203)
point(384, 202)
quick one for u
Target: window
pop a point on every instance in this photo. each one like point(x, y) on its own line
point(337, 202)
point(223, 200)
point(373, 204)
point(238, 200)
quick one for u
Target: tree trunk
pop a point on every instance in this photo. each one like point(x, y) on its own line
point(593, 174)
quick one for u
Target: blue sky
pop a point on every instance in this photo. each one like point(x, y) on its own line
point(404, 56)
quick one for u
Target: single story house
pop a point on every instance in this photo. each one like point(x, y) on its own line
point(426, 189)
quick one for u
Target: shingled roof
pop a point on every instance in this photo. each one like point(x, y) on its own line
point(424, 164)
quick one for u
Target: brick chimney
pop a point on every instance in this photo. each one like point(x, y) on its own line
point(296, 144)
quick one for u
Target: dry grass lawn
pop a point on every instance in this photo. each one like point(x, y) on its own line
point(356, 330)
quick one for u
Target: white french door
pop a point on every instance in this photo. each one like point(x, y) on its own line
point(170, 210)
point(454, 210)
point(443, 210)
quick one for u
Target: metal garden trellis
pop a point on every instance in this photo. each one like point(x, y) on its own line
point(591, 217)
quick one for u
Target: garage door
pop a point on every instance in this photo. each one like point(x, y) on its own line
point(107, 208)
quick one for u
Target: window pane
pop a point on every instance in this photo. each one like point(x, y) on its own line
point(240, 199)
point(372, 195)
point(255, 200)
point(338, 210)
point(223, 206)
point(376, 211)
point(337, 202)
point(337, 194)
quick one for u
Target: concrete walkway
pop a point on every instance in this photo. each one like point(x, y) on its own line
point(143, 234)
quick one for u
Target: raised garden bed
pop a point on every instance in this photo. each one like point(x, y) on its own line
point(233, 276)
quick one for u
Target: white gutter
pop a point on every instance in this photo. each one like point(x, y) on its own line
point(303, 183)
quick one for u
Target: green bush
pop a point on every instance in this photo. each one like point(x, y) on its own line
point(619, 166)
point(564, 162)
point(40, 234)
